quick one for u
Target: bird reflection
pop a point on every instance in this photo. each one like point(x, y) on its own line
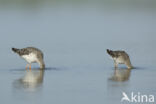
point(121, 75)
point(31, 80)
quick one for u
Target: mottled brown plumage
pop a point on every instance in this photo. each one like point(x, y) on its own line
point(31, 55)
point(120, 57)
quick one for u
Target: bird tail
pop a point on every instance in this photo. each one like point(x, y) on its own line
point(110, 52)
point(15, 50)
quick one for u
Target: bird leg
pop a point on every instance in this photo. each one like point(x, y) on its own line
point(115, 64)
point(29, 66)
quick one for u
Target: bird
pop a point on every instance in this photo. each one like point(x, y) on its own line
point(120, 57)
point(31, 55)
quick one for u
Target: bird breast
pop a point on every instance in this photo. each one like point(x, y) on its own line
point(30, 58)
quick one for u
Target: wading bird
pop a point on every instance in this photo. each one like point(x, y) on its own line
point(31, 55)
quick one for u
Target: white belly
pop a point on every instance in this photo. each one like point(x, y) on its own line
point(119, 60)
point(31, 58)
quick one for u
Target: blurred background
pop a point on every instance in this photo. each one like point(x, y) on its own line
point(60, 27)
point(74, 36)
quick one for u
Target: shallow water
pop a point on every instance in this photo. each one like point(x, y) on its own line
point(74, 38)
